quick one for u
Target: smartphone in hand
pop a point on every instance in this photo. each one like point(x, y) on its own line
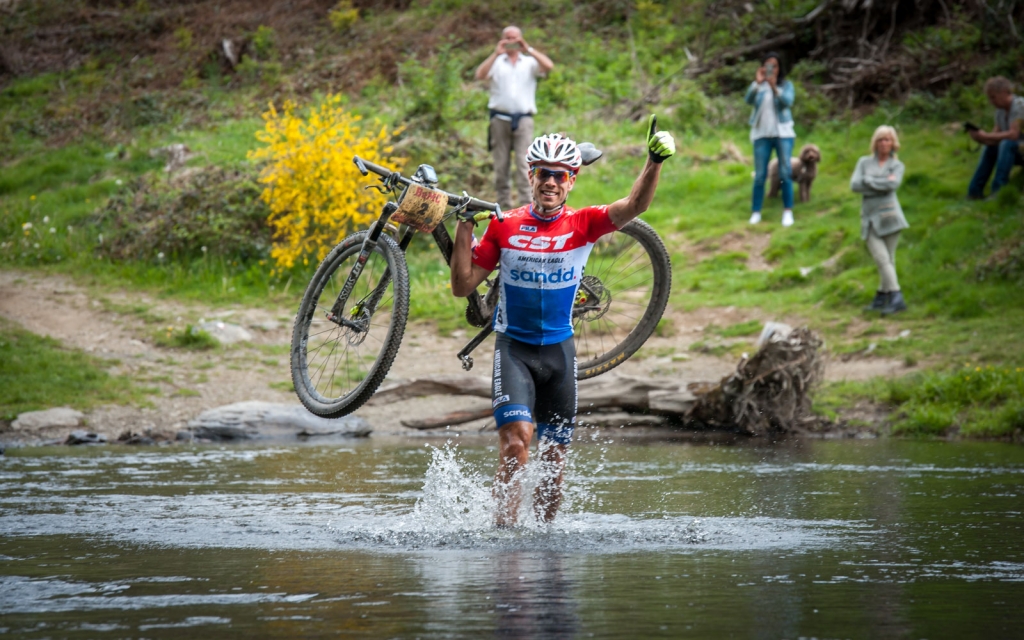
point(970, 126)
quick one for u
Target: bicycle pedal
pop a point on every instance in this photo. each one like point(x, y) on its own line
point(467, 362)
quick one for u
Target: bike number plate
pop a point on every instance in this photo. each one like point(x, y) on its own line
point(421, 208)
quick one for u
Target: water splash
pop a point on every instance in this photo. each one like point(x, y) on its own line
point(455, 497)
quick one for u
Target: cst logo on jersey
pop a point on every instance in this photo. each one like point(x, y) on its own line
point(539, 242)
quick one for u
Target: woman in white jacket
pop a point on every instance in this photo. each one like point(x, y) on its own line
point(877, 177)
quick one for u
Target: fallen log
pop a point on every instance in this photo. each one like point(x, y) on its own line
point(768, 393)
point(450, 420)
point(452, 385)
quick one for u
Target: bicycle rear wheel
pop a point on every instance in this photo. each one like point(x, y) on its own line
point(622, 297)
point(338, 364)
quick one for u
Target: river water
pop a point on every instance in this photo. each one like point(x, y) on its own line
point(393, 538)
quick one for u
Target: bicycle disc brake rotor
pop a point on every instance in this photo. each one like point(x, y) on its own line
point(361, 317)
point(593, 299)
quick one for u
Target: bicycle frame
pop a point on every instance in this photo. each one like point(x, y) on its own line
point(442, 238)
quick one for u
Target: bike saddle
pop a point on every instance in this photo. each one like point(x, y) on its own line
point(589, 153)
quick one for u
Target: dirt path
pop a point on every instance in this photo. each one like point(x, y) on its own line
point(119, 325)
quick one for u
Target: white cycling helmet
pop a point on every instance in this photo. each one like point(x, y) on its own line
point(555, 149)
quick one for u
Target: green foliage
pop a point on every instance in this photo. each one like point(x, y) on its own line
point(665, 328)
point(216, 213)
point(973, 399)
point(690, 108)
point(192, 338)
point(264, 43)
point(38, 373)
point(343, 16)
point(749, 328)
point(434, 100)
point(814, 106)
point(961, 102)
point(934, 47)
point(183, 39)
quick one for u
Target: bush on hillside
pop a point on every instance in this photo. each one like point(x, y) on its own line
point(974, 399)
point(315, 193)
point(216, 212)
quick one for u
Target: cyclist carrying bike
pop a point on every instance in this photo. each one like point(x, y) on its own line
point(542, 249)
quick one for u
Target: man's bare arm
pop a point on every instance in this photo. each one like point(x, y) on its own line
point(466, 276)
point(640, 196)
point(995, 137)
point(660, 147)
point(485, 67)
point(543, 62)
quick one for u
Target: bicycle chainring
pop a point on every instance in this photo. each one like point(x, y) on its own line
point(489, 301)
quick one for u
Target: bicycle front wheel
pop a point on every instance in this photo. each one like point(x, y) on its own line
point(622, 297)
point(343, 348)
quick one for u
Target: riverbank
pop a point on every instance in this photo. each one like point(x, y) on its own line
point(163, 386)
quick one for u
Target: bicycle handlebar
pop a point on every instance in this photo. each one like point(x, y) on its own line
point(470, 203)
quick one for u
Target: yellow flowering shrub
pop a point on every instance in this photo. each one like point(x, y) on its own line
point(343, 16)
point(315, 193)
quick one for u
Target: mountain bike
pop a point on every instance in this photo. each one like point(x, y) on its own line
point(353, 313)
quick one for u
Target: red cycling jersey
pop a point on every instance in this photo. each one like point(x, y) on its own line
point(542, 262)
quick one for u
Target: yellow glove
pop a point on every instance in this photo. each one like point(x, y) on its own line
point(660, 144)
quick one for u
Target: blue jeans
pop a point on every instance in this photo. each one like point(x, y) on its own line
point(1000, 157)
point(762, 152)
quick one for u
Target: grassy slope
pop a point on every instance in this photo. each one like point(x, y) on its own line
point(701, 209)
point(36, 373)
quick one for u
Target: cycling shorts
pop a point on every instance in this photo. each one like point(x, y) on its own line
point(535, 383)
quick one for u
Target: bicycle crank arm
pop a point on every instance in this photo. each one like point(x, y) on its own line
point(467, 361)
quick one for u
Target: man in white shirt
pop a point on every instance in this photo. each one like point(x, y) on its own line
point(511, 72)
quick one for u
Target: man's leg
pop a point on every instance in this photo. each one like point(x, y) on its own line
point(1005, 157)
point(514, 452)
point(556, 419)
point(986, 163)
point(521, 140)
point(547, 497)
point(513, 395)
point(501, 147)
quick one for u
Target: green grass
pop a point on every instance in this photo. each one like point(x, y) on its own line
point(976, 400)
point(820, 275)
point(749, 328)
point(189, 337)
point(972, 400)
point(38, 373)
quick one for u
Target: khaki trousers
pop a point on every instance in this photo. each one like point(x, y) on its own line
point(505, 143)
point(883, 250)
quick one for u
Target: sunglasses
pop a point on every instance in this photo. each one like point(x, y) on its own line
point(543, 174)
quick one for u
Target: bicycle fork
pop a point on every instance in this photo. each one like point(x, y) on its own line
point(366, 308)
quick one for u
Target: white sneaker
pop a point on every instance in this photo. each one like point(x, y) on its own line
point(755, 217)
point(787, 218)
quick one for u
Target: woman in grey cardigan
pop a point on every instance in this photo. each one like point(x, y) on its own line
point(877, 177)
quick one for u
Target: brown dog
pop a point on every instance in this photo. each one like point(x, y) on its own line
point(805, 170)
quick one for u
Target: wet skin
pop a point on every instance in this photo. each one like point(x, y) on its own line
point(514, 453)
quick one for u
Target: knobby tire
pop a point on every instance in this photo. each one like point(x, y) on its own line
point(336, 369)
point(634, 272)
